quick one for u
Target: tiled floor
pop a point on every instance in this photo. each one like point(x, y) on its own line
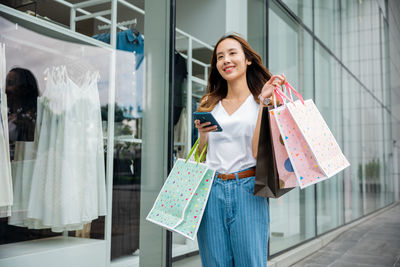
point(375, 242)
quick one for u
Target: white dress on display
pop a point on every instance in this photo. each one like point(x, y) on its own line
point(6, 191)
point(67, 187)
point(22, 170)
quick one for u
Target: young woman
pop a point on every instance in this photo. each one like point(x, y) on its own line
point(235, 224)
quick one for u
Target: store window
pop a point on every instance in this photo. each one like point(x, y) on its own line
point(75, 153)
point(370, 42)
point(56, 100)
point(353, 181)
point(327, 91)
point(292, 215)
point(351, 35)
point(199, 25)
point(327, 24)
point(303, 9)
point(372, 153)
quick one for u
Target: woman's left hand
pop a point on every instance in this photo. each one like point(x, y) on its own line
point(268, 88)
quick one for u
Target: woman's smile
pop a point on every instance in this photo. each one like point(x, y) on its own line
point(228, 69)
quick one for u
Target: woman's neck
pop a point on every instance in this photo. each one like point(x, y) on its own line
point(238, 89)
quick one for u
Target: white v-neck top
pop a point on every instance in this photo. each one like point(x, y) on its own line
point(231, 150)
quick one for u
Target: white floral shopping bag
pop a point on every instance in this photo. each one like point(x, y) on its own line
point(319, 137)
point(180, 204)
point(313, 151)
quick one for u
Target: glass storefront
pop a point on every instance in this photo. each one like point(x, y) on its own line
point(195, 39)
point(327, 92)
point(343, 71)
point(321, 44)
point(347, 81)
point(353, 189)
point(76, 155)
point(90, 154)
point(292, 216)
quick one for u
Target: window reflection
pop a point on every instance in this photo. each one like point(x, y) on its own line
point(22, 93)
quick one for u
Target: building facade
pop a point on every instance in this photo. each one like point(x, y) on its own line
point(343, 54)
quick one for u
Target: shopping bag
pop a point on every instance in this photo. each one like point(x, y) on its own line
point(267, 175)
point(312, 149)
point(287, 177)
point(320, 139)
point(180, 205)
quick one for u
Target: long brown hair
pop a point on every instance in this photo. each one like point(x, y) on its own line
point(217, 88)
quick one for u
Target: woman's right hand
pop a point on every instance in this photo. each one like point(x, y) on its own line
point(268, 88)
point(204, 128)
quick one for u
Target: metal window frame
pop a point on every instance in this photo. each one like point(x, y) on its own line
point(172, 26)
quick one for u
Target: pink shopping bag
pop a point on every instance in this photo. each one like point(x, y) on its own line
point(318, 136)
point(312, 149)
point(287, 177)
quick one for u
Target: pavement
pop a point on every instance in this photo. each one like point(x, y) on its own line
point(374, 242)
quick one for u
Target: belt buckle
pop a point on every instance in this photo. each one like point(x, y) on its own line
point(223, 177)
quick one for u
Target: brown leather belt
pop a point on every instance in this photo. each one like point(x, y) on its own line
point(243, 174)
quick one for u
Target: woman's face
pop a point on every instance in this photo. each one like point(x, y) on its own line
point(231, 61)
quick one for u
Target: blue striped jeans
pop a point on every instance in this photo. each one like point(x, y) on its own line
point(235, 225)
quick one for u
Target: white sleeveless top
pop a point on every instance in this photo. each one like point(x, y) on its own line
point(231, 150)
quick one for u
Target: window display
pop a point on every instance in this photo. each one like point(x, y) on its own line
point(67, 186)
point(52, 134)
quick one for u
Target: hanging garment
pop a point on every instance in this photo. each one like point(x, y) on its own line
point(67, 187)
point(180, 72)
point(127, 41)
point(22, 170)
point(131, 42)
point(180, 134)
point(6, 191)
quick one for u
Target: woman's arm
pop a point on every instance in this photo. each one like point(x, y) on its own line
point(202, 141)
point(203, 132)
point(266, 92)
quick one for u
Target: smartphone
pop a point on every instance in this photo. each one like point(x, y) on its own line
point(207, 117)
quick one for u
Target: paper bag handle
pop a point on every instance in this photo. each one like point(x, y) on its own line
point(290, 88)
point(280, 96)
point(202, 155)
